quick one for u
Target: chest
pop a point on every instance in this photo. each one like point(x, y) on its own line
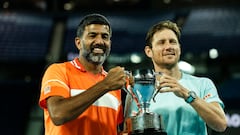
point(82, 80)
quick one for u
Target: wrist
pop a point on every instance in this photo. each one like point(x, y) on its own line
point(191, 97)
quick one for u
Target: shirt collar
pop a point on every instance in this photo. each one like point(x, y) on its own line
point(76, 63)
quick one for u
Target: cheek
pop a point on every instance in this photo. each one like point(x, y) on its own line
point(156, 55)
point(108, 44)
point(158, 51)
point(178, 51)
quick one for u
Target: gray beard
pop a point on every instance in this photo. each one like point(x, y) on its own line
point(94, 58)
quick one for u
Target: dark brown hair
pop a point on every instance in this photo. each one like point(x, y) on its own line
point(160, 26)
point(92, 19)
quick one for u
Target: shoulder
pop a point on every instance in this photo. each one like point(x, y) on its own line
point(57, 71)
point(193, 77)
point(57, 67)
point(197, 79)
point(202, 84)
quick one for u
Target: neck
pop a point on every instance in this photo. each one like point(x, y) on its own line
point(173, 72)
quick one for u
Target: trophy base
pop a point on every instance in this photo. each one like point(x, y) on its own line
point(149, 132)
point(147, 124)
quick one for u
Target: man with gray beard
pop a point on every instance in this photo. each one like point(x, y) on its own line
point(79, 97)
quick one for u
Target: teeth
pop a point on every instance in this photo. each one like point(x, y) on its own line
point(170, 54)
point(97, 50)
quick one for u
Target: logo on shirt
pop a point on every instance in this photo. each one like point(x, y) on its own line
point(207, 96)
point(47, 89)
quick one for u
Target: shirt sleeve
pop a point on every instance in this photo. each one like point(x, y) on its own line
point(54, 83)
point(211, 94)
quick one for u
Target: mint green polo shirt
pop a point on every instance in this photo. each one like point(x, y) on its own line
point(179, 117)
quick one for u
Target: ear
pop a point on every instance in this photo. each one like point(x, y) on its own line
point(78, 43)
point(148, 51)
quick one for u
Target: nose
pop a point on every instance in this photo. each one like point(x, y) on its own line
point(167, 44)
point(98, 40)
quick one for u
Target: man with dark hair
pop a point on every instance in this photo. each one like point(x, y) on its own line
point(78, 97)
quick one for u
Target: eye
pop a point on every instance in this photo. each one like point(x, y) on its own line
point(105, 36)
point(161, 42)
point(173, 41)
point(92, 35)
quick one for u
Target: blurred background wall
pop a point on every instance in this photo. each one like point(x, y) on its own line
point(36, 33)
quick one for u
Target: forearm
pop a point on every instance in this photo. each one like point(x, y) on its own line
point(65, 109)
point(211, 113)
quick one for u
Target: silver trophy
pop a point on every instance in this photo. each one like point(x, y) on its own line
point(145, 122)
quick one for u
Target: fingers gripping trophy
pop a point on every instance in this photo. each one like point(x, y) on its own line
point(142, 91)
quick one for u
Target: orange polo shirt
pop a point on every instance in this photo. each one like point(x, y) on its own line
point(69, 79)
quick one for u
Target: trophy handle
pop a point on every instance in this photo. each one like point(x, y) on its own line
point(157, 83)
point(129, 89)
point(131, 96)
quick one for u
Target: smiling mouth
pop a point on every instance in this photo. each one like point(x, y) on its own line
point(97, 50)
point(169, 54)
